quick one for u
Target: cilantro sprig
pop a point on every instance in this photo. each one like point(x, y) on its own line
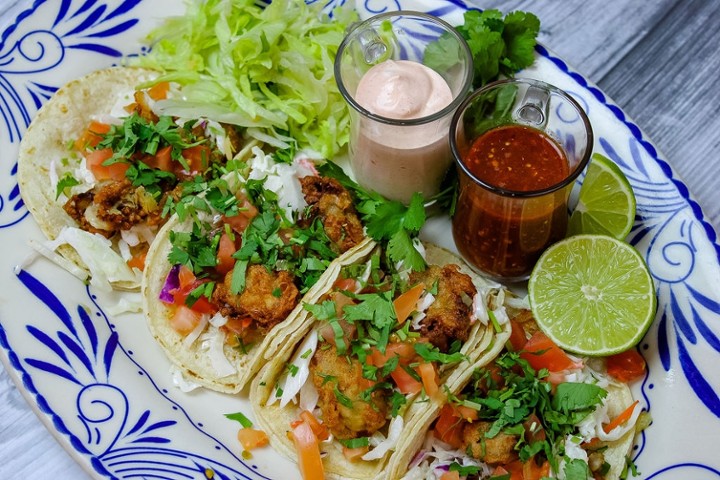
point(387, 221)
point(139, 135)
point(499, 45)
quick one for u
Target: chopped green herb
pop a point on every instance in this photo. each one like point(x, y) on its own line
point(431, 353)
point(66, 181)
point(239, 417)
point(355, 442)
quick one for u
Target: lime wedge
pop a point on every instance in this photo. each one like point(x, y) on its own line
point(592, 295)
point(606, 203)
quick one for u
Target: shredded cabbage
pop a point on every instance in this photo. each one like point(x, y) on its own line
point(383, 445)
point(212, 343)
point(106, 266)
point(269, 68)
point(291, 384)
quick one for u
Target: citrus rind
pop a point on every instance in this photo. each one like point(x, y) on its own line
point(592, 295)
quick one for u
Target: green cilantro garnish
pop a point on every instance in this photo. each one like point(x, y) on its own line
point(525, 392)
point(464, 471)
point(355, 442)
point(194, 249)
point(239, 417)
point(500, 46)
point(343, 399)
point(151, 178)
point(66, 181)
point(397, 401)
point(138, 135)
point(431, 353)
point(386, 220)
point(203, 290)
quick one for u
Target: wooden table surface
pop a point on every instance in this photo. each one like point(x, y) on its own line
point(657, 59)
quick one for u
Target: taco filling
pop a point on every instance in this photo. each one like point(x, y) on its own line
point(534, 412)
point(264, 236)
point(125, 173)
point(382, 339)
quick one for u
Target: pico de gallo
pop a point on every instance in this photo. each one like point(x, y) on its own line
point(536, 412)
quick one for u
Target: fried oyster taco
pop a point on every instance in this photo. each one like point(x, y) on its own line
point(226, 279)
point(379, 348)
point(533, 412)
point(100, 168)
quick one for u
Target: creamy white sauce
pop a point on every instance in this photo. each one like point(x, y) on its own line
point(403, 90)
point(398, 160)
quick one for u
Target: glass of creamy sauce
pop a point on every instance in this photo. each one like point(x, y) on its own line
point(403, 74)
point(518, 146)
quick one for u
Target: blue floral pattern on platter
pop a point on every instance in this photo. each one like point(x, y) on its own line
point(119, 412)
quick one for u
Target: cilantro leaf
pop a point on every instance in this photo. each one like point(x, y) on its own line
point(240, 417)
point(500, 46)
point(576, 469)
point(386, 220)
point(430, 353)
point(66, 181)
point(571, 396)
point(355, 442)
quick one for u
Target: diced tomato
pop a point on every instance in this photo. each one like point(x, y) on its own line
point(405, 351)
point(238, 325)
point(187, 283)
point(184, 320)
point(541, 352)
point(138, 261)
point(518, 338)
point(499, 472)
point(92, 136)
point(626, 366)
point(95, 159)
point(251, 438)
point(532, 471)
point(466, 413)
point(240, 221)
point(308, 452)
point(345, 284)
point(515, 469)
point(185, 276)
point(162, 160)
point(321, 431)
point(454, 475)
point(341, 301)
point(430, 379)
point(328, 332)
point(226, 249)
point(159, 91)
point(197, 157)
point(354, 454)
point(405, 382)
point(405, 303)
point(449, 427)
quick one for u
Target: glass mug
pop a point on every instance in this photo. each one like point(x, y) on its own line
point(518, 145)
point(397, 157)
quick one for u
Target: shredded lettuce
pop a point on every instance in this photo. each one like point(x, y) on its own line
point(267, 68)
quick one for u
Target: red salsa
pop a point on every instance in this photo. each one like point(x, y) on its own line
point(514, 157)
point(503, 235)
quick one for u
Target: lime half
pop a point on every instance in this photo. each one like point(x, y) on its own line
point(592, 295)
point(606, 203)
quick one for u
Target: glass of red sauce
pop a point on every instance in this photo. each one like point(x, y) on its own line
point(518, 145)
